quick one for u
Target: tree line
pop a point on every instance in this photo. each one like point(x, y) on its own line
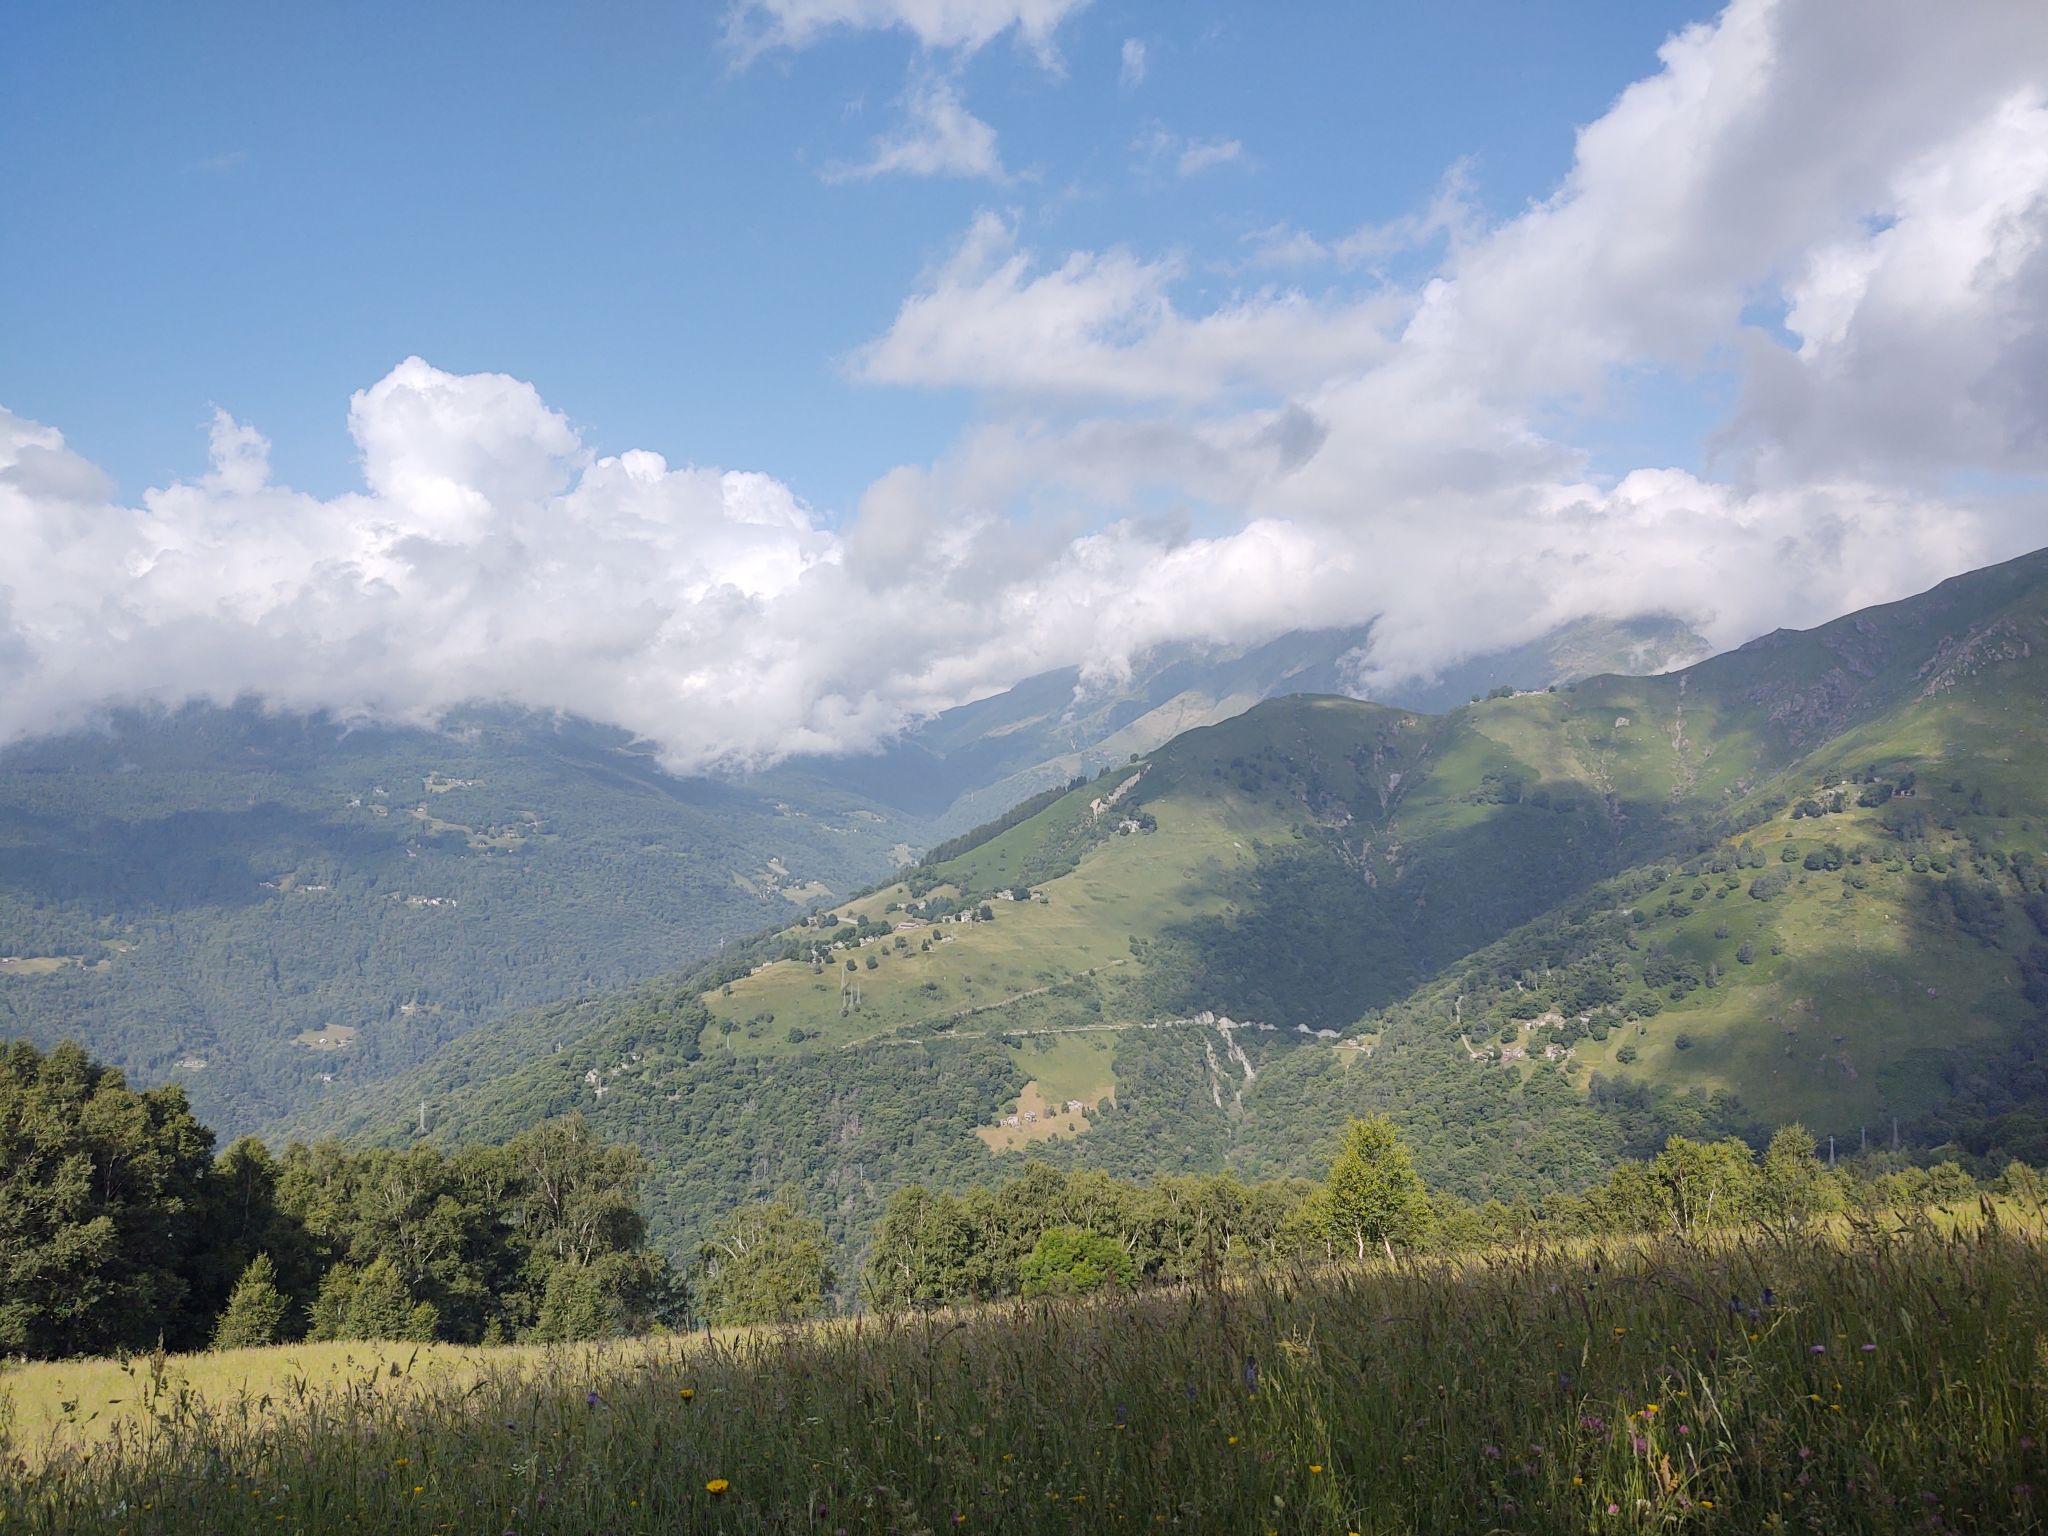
point(120, 1229)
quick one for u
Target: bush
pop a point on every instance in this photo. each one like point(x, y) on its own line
point(1071, 1261)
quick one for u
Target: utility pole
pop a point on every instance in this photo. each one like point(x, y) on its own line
point(423, 1117)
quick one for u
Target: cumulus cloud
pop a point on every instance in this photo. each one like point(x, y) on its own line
point(963, 26)
point(938, 137)
point(1105, 324)
point(1842, 208)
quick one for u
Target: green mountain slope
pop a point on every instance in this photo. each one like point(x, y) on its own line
point(1800, 880)
point(264, 907)
point(255, 904)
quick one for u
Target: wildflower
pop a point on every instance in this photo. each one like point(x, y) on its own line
point(1614, 1509)
point(717, 1485)
point(1490, 1452)
point(687, 1393)
point(1816, 1349)
point(1578, 1482)
point(591, 1399)
point(1868, 1349)
point(1231, 1441)
point(1649, 1410)
point(1315, 1468)
point(1684, 1429)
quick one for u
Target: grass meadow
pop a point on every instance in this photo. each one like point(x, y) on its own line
point(1876, 1377)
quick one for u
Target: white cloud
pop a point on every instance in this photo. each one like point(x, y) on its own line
point(1904, 247)
point(1106, 325)
point(1159, 147)
point(965, 26)
point(1843, 206)
point(1131, 68)
point(939, 137)
point(1450, 217)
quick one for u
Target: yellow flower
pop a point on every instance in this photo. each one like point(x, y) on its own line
point(1706, 1503)
point(1578, 1482)
point(717, 1485)
point(1649, 1410)
point(687, 1393)
point(1315, 1466)
point(1232, 1440)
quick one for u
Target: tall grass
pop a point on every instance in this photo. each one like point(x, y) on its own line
point(1873, 1379)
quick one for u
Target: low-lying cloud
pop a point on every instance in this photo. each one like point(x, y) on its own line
point(1838, 210)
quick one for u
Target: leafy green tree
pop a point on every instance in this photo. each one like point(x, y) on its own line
point(255, 1309)
point(371, 1303)
point(766, 1263)
point(1706, 1183)
point(1792, 1185)
point(925, 1253)
point(605, 1297)
point(1375, 1196)
point(1071, 1261)
point(100, 1189)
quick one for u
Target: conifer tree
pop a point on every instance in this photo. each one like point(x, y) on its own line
point(255, 1309)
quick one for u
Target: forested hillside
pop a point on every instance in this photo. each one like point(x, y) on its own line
point(1543, 932)
point(264, 906)
point(256, 906)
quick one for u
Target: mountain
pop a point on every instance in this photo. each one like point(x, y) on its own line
point(974, 762)
point(1544, 931)
point(255, 904)
point(262, 905)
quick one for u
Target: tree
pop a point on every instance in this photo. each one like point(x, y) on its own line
point(371, 1303)
point(765, 1263)
point(255, 1309)
point(100, 1193)
point(924, 1253)
point(1705, 1183)
point(1793, 1186)
point(1072, 1261)
point(1375, 1195)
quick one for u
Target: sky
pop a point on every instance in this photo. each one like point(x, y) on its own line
point(765, 376)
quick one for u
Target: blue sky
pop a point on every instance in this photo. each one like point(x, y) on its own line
point(767, 375)
point(264, 208)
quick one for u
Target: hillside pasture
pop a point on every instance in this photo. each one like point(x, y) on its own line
point(1872, 1378)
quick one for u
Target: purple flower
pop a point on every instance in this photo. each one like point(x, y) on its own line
point(1614, 1509)
point(1592, 1424)
point(591, 1399)
point(1491, 1452)
point(1816, 1349)
point(1869, 1349)
point(1683, 1430)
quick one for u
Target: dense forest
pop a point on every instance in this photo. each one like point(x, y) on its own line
point(120, 1229)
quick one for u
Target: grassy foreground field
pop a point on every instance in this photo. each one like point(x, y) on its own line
point(1883, 1379)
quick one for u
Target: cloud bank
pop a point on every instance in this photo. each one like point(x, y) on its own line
point(1837, 211)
